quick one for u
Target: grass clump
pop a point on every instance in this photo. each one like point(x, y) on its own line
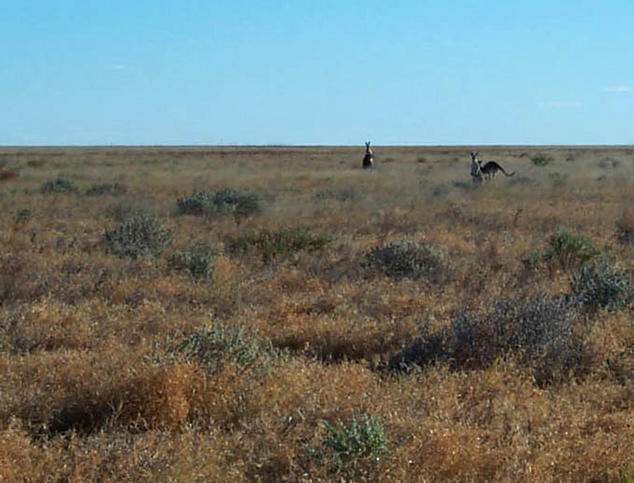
point(542, 159)
point(275, 244)
point(199, 260)
point(351, 450)
point(59, 185)
point(406, 259)
point(138, 236)
point(114, 189)
point(601, 285)
point(225, 201)
point(214, 346)
point(568, 250)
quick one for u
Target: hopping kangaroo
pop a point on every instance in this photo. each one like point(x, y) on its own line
point(488, 171)
point(368, 159)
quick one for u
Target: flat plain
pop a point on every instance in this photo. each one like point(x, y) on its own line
point(281, 314)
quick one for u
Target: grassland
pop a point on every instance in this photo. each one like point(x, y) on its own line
point(295, 342)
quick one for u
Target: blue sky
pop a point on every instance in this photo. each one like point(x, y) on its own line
point(85, 72)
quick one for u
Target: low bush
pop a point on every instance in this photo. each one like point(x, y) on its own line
point(601, 285)
point(269, 245)
point(114, 189)
point(351, 450)
point(59, 185)
point(567, 250)
point(542, 159)
point(213, 346)
point(226, 201)
point(199, 260)
point(407, 259)
point(197, 204)
point(538, 330)
point(138, 236)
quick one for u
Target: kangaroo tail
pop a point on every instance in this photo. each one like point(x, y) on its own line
point(507, 174)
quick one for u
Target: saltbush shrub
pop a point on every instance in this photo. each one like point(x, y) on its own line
point(114, 189)
point(275, 244)
point(407, 259)
point(542, 159)
point(138, 236)
point(59, 185)
point(199, 260)
point(538, 330)
point(351, 450)
point(602, 285)
point(215, 345)
point(568, 250)
point(197, 204)
point(225, 201)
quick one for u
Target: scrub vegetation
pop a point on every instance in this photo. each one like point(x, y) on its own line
point(281, 314)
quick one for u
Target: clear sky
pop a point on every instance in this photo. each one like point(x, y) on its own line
point(316, 72)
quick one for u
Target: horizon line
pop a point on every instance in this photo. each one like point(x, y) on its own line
point(277, 145)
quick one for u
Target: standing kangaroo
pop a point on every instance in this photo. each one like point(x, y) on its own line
point(488, 171)
point(368, 159)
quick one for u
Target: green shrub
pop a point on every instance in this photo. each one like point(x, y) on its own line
point(568, 250)
point(59, 185)
point(226, 201)
point(270, 245)
point(199, 260)
point(138, 236)
point(407, 259)
point(542, 159)
point(197, 204)
point(114, 189)
point(213, 346)
point(232, 201)
point(601, 285)
point(352, 449)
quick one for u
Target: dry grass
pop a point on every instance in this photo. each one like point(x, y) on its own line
point(95, 386)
